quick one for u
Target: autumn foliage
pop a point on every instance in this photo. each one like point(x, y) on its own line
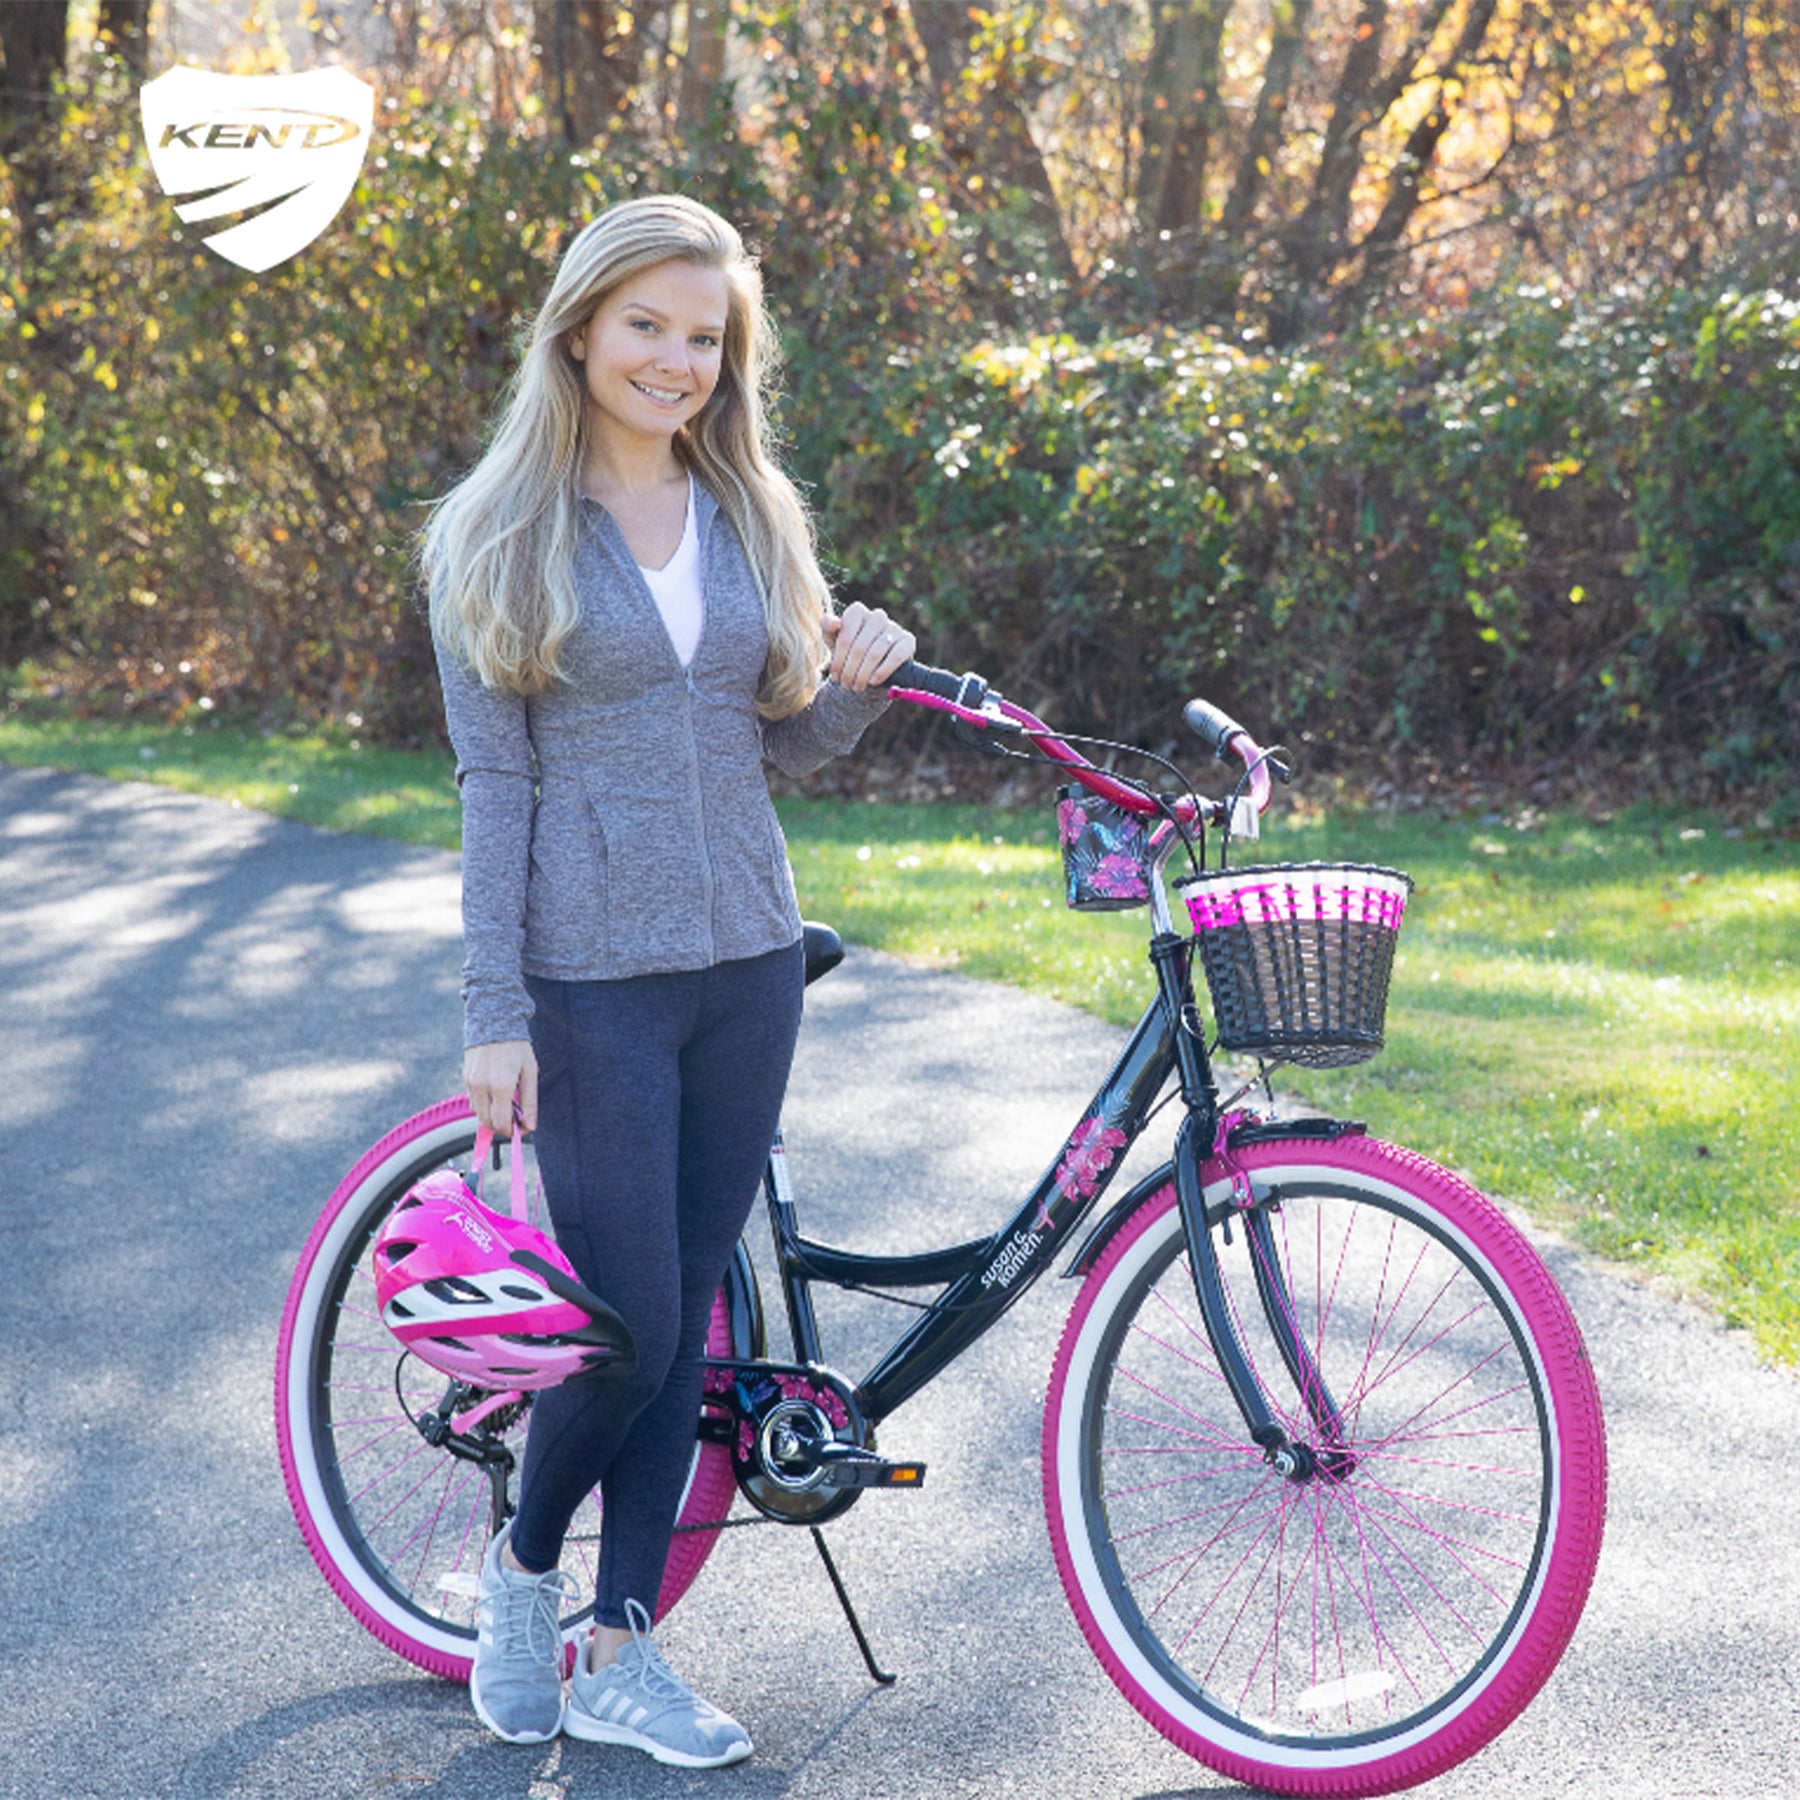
point(1417, 375)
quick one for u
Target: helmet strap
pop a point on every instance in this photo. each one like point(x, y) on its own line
point(484, 1143)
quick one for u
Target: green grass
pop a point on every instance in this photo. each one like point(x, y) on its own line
point(323, 779)
point(1599, 1021)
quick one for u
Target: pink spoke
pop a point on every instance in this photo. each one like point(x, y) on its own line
point(1431, 1344)
point(1271, 1644)
point(1193, 1449)
point(436, 1517)
point(1418, 1262)
point(1469, 1468)
point(1123, 1537)
point(1402, 1432)
point(1365, 1592)
point(1196, 1333)
point(1150, 1487)
point(460, 1474)
point(382, 1475)
point(1379, 1518)
point(1187, 1412)
point(1322, 1548)
point(1166, 1426)
point(1387, 1259)
point(1446, 1462)
point(379, 1437)
point(1207, 1366)
point(462, 1549)
point(1454, 1545)
point(1277, 1520)
point(1191, 1556)
point(429, 1475)
point(1405, 1598)
point(1487, 1431)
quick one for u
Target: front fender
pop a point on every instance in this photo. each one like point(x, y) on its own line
point(1249, 1131)
point(1114, 1218)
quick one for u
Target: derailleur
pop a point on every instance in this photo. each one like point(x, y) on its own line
point(467, 1423)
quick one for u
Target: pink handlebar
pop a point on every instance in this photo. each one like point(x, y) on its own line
point(1120, 793)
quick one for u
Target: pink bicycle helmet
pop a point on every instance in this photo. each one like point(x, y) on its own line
point(488, 1299)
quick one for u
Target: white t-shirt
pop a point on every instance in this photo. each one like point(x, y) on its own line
point(676, 587)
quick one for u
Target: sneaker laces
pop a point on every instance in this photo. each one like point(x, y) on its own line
point(653, 1671)
point(526, 1613)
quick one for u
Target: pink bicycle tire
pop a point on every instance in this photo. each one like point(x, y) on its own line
point(441, 1645)
point(1477, 1499)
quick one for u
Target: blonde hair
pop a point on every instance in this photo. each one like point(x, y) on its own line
point(498, 550)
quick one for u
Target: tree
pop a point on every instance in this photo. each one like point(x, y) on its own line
point(979, 102)
point(125, 24)
point(34, 38)
point(591, 54)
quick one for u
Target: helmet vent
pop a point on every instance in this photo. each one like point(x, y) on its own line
point(453, 1290)
point(451, 1343)
point(399, 1309)
point(521, 1293)
point(393, 1250)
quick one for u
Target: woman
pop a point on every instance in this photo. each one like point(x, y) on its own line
point(630, 615)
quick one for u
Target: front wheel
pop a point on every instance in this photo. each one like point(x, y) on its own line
point(1367, 1627)
point(399, 1527)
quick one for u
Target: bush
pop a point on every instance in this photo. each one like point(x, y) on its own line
point(219, 474)
point(1538, 529)
point(1534, 530)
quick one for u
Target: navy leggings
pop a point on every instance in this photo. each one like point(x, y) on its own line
point(658, 1098)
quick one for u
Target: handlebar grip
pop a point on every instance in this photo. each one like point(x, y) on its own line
point(967, 691)
point(925, 679)
point(1214, 727)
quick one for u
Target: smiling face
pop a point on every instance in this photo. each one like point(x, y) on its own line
point(651, 354)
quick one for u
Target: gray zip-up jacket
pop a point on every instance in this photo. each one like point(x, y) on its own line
point(621, 824)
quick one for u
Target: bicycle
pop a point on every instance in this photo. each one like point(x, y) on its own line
point(1323, 1459)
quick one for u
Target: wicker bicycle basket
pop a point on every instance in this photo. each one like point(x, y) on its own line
point(1298, 957)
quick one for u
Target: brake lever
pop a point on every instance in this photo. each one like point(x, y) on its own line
point(985, 739)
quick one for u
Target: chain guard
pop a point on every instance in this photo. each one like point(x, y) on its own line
point(766, 1413)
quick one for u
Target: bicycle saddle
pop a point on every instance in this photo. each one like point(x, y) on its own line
point(824, 950)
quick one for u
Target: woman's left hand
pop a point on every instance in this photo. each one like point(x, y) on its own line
point(866, 646)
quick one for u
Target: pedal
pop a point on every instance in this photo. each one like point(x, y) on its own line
point(846, 1466)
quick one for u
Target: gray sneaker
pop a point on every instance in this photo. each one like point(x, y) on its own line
point(637, 1699)
point(516, 1683)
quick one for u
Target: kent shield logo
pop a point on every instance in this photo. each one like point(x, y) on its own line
point(285, 148)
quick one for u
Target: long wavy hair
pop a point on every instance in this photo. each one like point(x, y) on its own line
point(498, 549)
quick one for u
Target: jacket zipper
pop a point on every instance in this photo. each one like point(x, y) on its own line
point(706, 873)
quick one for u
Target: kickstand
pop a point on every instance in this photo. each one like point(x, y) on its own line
point(862, 1643)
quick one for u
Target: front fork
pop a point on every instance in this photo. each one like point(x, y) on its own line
point(1203, 1135)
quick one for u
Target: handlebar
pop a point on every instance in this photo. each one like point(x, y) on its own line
point(968, 698)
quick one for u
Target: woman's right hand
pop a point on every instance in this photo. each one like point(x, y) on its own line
point(494, 1074)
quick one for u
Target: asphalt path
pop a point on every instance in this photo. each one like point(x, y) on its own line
point(209, 1013)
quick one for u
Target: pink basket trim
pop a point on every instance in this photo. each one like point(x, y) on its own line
point(1257, 898)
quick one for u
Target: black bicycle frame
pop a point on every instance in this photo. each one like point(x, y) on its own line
point(985, 1276)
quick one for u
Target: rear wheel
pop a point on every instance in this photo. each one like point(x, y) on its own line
point(1347, 1635)
point(397, 1526)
